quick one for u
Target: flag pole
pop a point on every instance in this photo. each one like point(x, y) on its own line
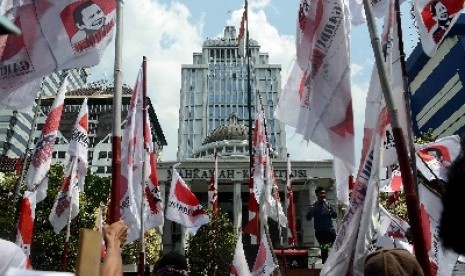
point(68, 225)
point(413, 209)
point(249, 90)
point(117, 102)
point(141, 266)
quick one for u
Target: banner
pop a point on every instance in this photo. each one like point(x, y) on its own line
point(183, 206)
point(264, 264)
point(316, 99)
point(435, 19)
point(26, 219)
point(239, 266)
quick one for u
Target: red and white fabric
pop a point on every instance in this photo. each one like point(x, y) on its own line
point(213, 188)
point(252, 227)
point(42, 157)
point(25, 229)
point(239, 266)
point(290, 207)
point(273, 207)
point(264, 264)
point(183, 206)
point(434, 159)
point(434, 21)
point(241, 37)
point(360, 222)
point(260, 154)
point(316, 99)
point(442, 260)
point(56, 35)
point(392, 184)
point(392, 229)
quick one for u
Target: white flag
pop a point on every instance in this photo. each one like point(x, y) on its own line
point(260, 154)
point(239, 266)
point(273, 207)
point(391, 229)
point(183, 206)
point(42, 157)
point(76, 170)
point(434, 159)
point(317, 99)
point(67, 199)
point(264, 264)
point(132, 157)
point(25, 229)
point(442, 260)
point(78, 32)
point(434, 20)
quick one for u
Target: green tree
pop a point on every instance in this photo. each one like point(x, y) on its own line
point(212, 248)
point(47, 247)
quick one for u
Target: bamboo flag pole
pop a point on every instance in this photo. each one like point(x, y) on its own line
point(141, 266)
point(117, 102)
point(413, 208)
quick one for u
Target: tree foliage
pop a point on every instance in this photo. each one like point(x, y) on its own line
point(212, 248)
point(47, 246)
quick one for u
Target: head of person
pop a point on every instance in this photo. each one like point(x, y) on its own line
point(320, 193)
point(394, 261)
point(89, 17)
point(439, 11)
point(171, 264)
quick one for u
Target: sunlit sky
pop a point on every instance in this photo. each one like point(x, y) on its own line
point(168, 32)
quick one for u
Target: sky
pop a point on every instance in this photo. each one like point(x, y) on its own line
point(168, 32)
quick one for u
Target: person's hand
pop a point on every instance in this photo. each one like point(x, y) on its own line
point(117, 233)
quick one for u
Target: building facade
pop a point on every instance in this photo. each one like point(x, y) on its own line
point(15, 126)
point(215, 85)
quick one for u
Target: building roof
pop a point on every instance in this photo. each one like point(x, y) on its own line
point(230, 131)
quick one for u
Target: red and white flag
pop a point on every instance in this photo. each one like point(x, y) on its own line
point(290, 207)
point(213, 188)
point(317, 99)
point(435, 19)
point(392, 229)
point(360, 222)
point(153, 213)
point(442, 260)
point(392, 184)
point(42, 157)
point(252, 227)
point(241, 37)
point(264, 264)
point(239, 266)
point(131, 163)
point(78, 31)
point(25, 229)
point(67, 199)
point(273, 207)
point(260, 154)
point(24, 58)
point(183, 206)
point(56, 35)
point(435, 158)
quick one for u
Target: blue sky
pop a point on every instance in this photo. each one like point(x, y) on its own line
point(169, 31)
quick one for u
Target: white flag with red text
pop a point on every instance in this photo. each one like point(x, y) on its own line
point(239, 266)
point(56, 35)
point(78, 31)
point(24, 58)
point(67, 199)
point(435, 19)
point(264, 264)
point(317, 99)
point(435, 158)
point(25, 227)
point(42, 157)
point(131, 163)
point(360, 222)
point(442, 260)
point(183, 206)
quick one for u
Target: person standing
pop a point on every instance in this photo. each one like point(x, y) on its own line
point(322, 214)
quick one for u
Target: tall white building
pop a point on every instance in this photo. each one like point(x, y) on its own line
point(215, 85)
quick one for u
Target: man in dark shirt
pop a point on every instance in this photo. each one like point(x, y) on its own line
point(323, 213)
